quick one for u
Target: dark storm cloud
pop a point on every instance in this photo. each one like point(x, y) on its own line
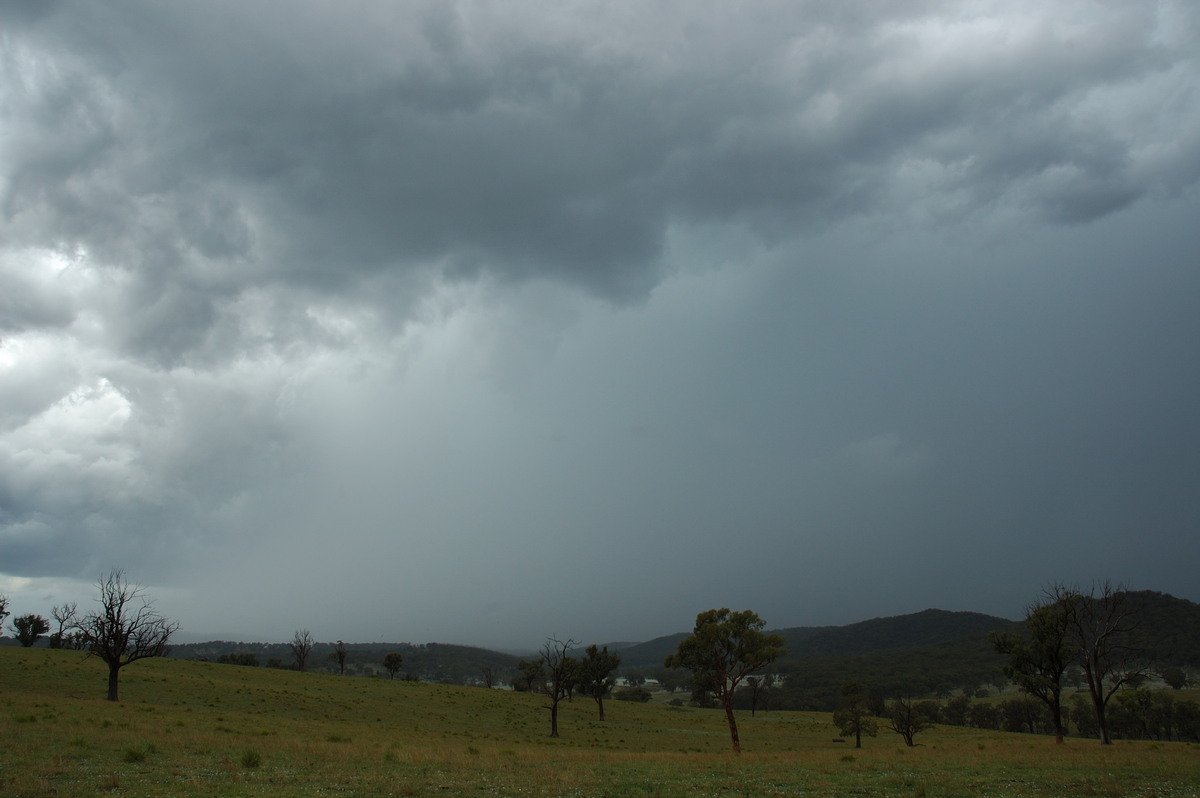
point(410, 289)
point(422, 133)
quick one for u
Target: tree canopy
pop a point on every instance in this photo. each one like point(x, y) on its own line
point(724, 648)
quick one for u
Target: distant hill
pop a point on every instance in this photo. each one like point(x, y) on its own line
point(649, 654)
point(920, 653)
point(928, 652)
point(926, 628)
point(434, 662)
point(1169, 628)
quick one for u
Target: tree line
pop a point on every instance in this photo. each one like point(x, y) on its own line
point(1135, 714)
point(1092, 630)
point(1067, 636)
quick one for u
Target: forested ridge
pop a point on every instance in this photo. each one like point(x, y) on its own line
point(924, 653)
point(958, 668)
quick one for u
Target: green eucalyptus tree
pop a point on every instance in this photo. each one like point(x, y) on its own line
point(1038, 658)
point(596, 674)
point(724, 648)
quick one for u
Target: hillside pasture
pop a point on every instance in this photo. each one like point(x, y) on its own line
point(202, 729)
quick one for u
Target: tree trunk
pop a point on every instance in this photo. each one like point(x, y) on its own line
point(858, 738)
point(113, 671)
point(600, 704)
point(733, 732)
point(1102, 722)
point(553, 718)
point(1056, 711)
point(1096, 689)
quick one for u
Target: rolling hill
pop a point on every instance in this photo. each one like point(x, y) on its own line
point(926, 652)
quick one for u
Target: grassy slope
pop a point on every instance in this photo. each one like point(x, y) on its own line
point(190, 728)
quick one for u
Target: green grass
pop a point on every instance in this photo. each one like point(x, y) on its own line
point(189, 728)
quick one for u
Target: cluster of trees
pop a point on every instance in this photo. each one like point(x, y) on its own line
point(557, 675)
point(725, 650)
point(860, 715)
point(815, 684)
point(302, 646)
point(1136, 714)
point(1093, 631)
point(123, 628)
point(27, 629)
point(1143, 714)
point(1068, 637)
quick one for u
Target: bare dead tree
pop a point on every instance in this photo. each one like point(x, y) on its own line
point(301, 646)
point(339, 656)
point(560, 673)
point(905, 719)
point(1101, 623)
point(124, 628)
point(67, 618)
point(759, 686)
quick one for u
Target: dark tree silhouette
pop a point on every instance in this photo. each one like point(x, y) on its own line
point(530, 676)
point(124, 628)
point(28, 628)
point(853, 715)
point(1174, 678)
point(1038, 658)
point(906, 720)
point(66, 617)
point(596, 674)
point(560, 673)
point(759, 686)
point(392, 663)
point(339, 656)
point(1100, 625)
point(301, 646)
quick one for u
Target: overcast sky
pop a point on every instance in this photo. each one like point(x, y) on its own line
point(478, 322)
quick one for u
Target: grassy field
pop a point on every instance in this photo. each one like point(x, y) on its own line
point(190, 728)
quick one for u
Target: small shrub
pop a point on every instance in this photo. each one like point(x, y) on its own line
point(135, 755)
point(251, 758)
point(637, 694)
